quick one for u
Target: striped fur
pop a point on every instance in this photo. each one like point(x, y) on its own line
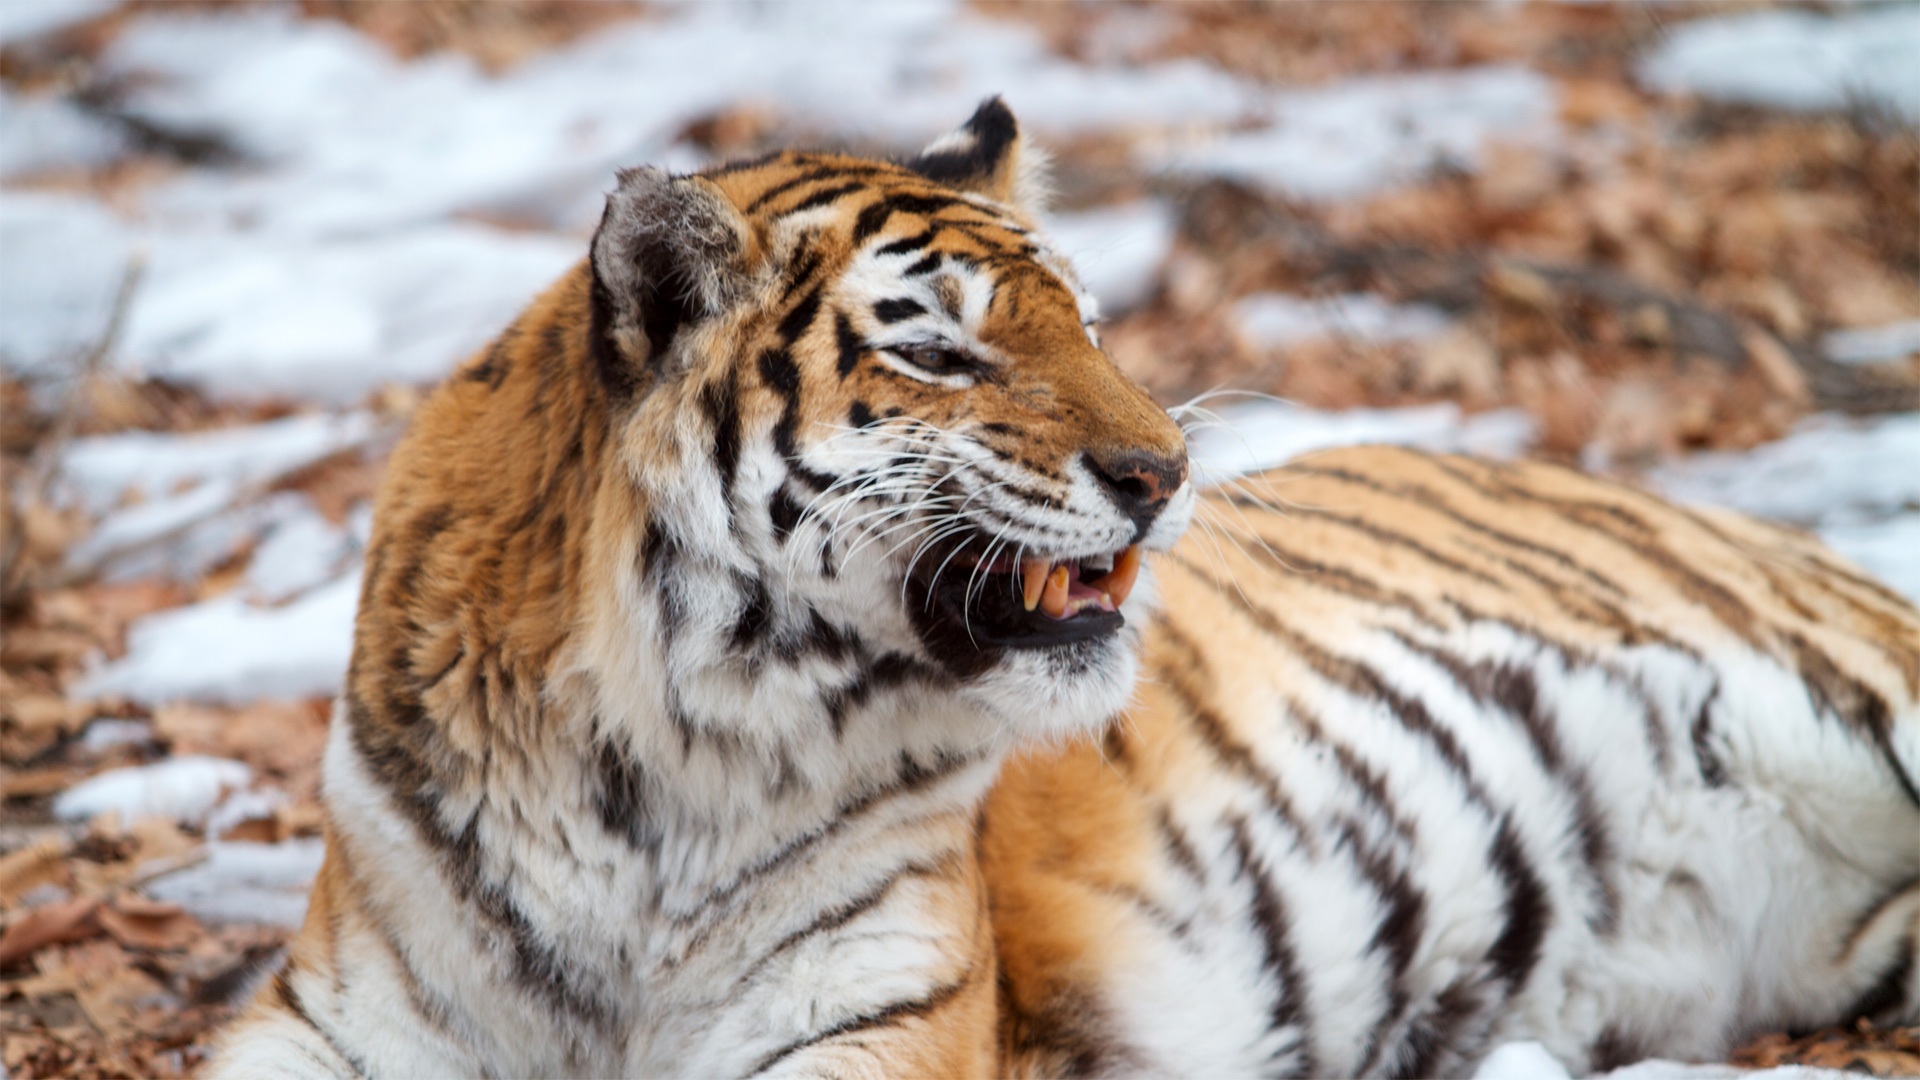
point(657, 756)
point(1433, 753)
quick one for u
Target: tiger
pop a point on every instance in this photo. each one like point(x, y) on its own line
point(783, 652)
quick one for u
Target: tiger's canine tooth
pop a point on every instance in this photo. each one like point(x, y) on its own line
point(1033, 579)
point(1119, 582)
point(1053, 600)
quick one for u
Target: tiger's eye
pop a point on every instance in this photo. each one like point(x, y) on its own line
point(937, 359)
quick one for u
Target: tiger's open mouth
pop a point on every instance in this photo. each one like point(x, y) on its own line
point(1025, 603)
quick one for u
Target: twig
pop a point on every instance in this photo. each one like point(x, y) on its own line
point(46, 467)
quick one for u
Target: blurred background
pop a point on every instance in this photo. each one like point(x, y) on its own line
point(1678, 244)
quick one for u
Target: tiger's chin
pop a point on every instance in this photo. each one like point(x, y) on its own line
point(1041, 643)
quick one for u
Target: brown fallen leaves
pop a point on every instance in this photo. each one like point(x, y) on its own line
point(1862, 1048)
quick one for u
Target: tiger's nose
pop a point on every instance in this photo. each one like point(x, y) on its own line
point(1139, 482)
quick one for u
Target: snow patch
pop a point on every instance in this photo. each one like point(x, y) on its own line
point(1829, 469)
point(1117, 250)
point(246, 882)
point(1276, 320)
point(99, 472)
point(331, 320)
point(62, 259)
point(225, 650)
point(1363, 135)
point(1855, 482)
point(304, 550)
point(183, 789)
point(1796, 59)
point(1873, 344)
point(1259, 435)
point(41, 133)
point(22, 19)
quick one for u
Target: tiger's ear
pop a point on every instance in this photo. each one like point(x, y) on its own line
point(987, 156)
point(670, 251)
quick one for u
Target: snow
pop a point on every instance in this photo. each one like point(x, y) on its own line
point(1826, 469)
point(1855, 482)
point(101, 471)
point(304, 550)
point(246, 882)
point(1530, 1061)
point(105, 734)
point(1261, 434)
point(1117, 250)
point(1521, 1061)
point(1365, 134)
point(331, 319)
point(1276, 320)
point(359, 140)
point(40, 133)
point(183, 789)
point(227, 650)
point(1873, 344)
point(1796, 59)
point(23, 19)
point(62, 259)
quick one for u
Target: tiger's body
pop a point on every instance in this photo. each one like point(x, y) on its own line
point(692, 645)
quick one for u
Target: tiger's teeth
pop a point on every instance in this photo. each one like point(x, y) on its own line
point(1033, 579)
point(1053, 600)
point(1119, 582)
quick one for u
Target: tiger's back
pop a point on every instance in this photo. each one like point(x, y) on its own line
point(1431, 753)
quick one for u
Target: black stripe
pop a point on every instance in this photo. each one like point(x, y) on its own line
point(1213, 732)
point(800, 318)
point(887, 672)
point(720, 400)
point(288, 996)
point(908, 243)
point(823, 197)
point(1858, 706)
point(1179, 848)
point(1433, 1035)
point(1271, 918)
point(898, 308)
point(899, 1010)
point(927, 265)
point(784, 512)
point(622, 800)
point(1384, 535)
point(1513, 691)
point(1516, 952)
point(1887, 997)
point(837, 916)
point(1332, 578)
point(1712, 772)
point(817, 172)
point(849, 343)
point(756, 615)
point(1371, 785)
point(910, 777)
point(1398, 932)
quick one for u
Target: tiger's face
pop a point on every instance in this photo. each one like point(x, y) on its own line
point(869, 409)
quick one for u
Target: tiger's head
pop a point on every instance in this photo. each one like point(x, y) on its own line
point(880, 447)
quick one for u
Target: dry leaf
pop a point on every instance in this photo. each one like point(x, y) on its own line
point(148, 924)
point(32, 783)
point(29, 868)
point(52, 924)
point(115, 1002)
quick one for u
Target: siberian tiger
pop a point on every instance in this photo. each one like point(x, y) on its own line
point(755, 674)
